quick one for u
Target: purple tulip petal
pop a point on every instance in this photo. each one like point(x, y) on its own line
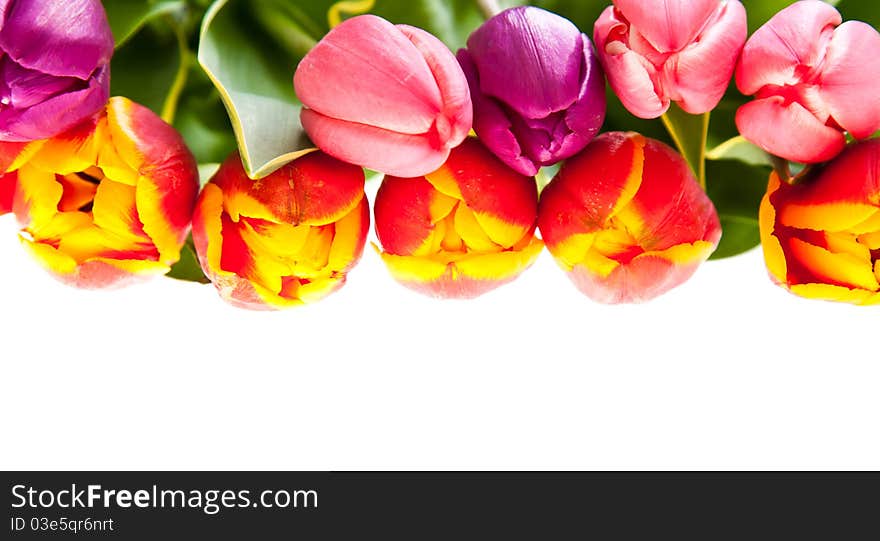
point(68, 38)
point(544, 49)
point(585, 117)
point(56, 114)
point(21, 88)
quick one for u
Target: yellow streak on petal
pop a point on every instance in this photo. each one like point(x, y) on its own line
point(41, 193)
point(827, 217)
point(142, 267)
point(871, 225)
point(499, 231)
point(451, 241)
point(48, 257)
point(312, 260)
point(441, 206)
point(26, 154)
point(843, 268)
point(346, 246)
point(467, 226)
point(846, 243)
point(573, 250)
point(279, 240)
point(238, 204)
point(114, 167)
point(211, 211)
point(67, 156)
point(830, 292)
point(444, 181)
point(774, 257)
point(124, 136)
point(91, 241)
point(684, 254)
point(148, 199)
point(502, 265)
point(114, 210)
point(318, 289)
point(273, 300)
point(598, 264)
point(60, 225)
point(634, 179)
point(871, 240)
point(414, 269)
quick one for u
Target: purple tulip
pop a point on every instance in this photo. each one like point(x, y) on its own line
point(54, 66)
point(537, 87)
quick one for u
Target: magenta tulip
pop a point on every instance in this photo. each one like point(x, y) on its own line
point(537, 87)
point(54, 66)
point(813, 79)
point(387, 97)
point(661, 51)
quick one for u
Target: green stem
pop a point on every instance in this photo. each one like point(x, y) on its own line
point(689, 132)
point(489, 8)
point(169, 107)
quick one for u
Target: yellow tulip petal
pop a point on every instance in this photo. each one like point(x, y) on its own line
point(59, 225)
point(634, 179)
point(149, 200)
point(573, 250)
point(598, 264)
point(114, 167)
point(312, 260)
point(829, 292)
point(347, 240)
point(444, 181)
point(281, 240)
point(318, 289)
point(414, 269)
point(871, 240)
point(499, 231)
point(25, 155)
point(211, 206)
point(685, 254)
point(40, 193)
point(441, 206)
point(846, 243)
point(49, 257)
point(114, 210)
point(841, 268)
point(91, 241)
point(870, 225)
point(469, 229)
point(142, 267)
point(774, 257)
point(502, 265)
point(827, 217)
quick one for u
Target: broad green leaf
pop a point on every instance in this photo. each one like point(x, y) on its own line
point(188, 268)
point(738, 148)
point(126, 17)
point(736, 189)
point(255, 81)
point(689, 133)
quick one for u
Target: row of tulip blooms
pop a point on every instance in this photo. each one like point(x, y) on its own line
point(106, 192)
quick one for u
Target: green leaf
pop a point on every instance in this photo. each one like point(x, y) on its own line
point(738, 148)
point(736, 189)
point(202, 120)
point(689, 133)
point(188, 268)
point(144, 69)
point(255, 81)
point(860, 10)
point(126, 17)
point(583, 13)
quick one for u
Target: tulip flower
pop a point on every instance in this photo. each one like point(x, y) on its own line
point(626, 219)
point(391, 98)
point(107, 203)
point(284, 240)
point(7, 192)
point(537, 87)
point(54, 66)
point(821, 237)
point(462, 230)
point(813, 79)
point(682, 51)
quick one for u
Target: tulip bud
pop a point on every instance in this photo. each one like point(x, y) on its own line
point(626, 219)
point(813, 78)
point(682, 51)
point(537, 87)
point(462, 230)
point(821, 238)
point(283, 240)
point(54, 66)
point(107, 203)
point(391, 98)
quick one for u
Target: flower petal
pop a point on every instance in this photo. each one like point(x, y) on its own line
point(668, 25)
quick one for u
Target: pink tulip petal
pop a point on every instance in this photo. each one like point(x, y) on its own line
point(849, 78)
point(697, 77)
point(456, 114)
point(398, 154)
point(378, 78)
point(61, 37)
point(669, 25)
point(791, 43)
point(788, 130)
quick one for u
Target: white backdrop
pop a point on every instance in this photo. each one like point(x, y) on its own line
point(727, 371)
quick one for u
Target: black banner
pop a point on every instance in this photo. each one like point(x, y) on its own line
point(414, 506)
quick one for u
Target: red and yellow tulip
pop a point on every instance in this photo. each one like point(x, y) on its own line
point(283, 240)
point(106, 203)
point(821, 238)
point(462, 230)
point(626, 219)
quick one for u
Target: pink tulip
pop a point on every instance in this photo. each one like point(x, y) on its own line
point(387, 97)
point(813, 78)
point(657, 52)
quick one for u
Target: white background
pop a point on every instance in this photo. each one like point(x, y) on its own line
point(727, 371)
